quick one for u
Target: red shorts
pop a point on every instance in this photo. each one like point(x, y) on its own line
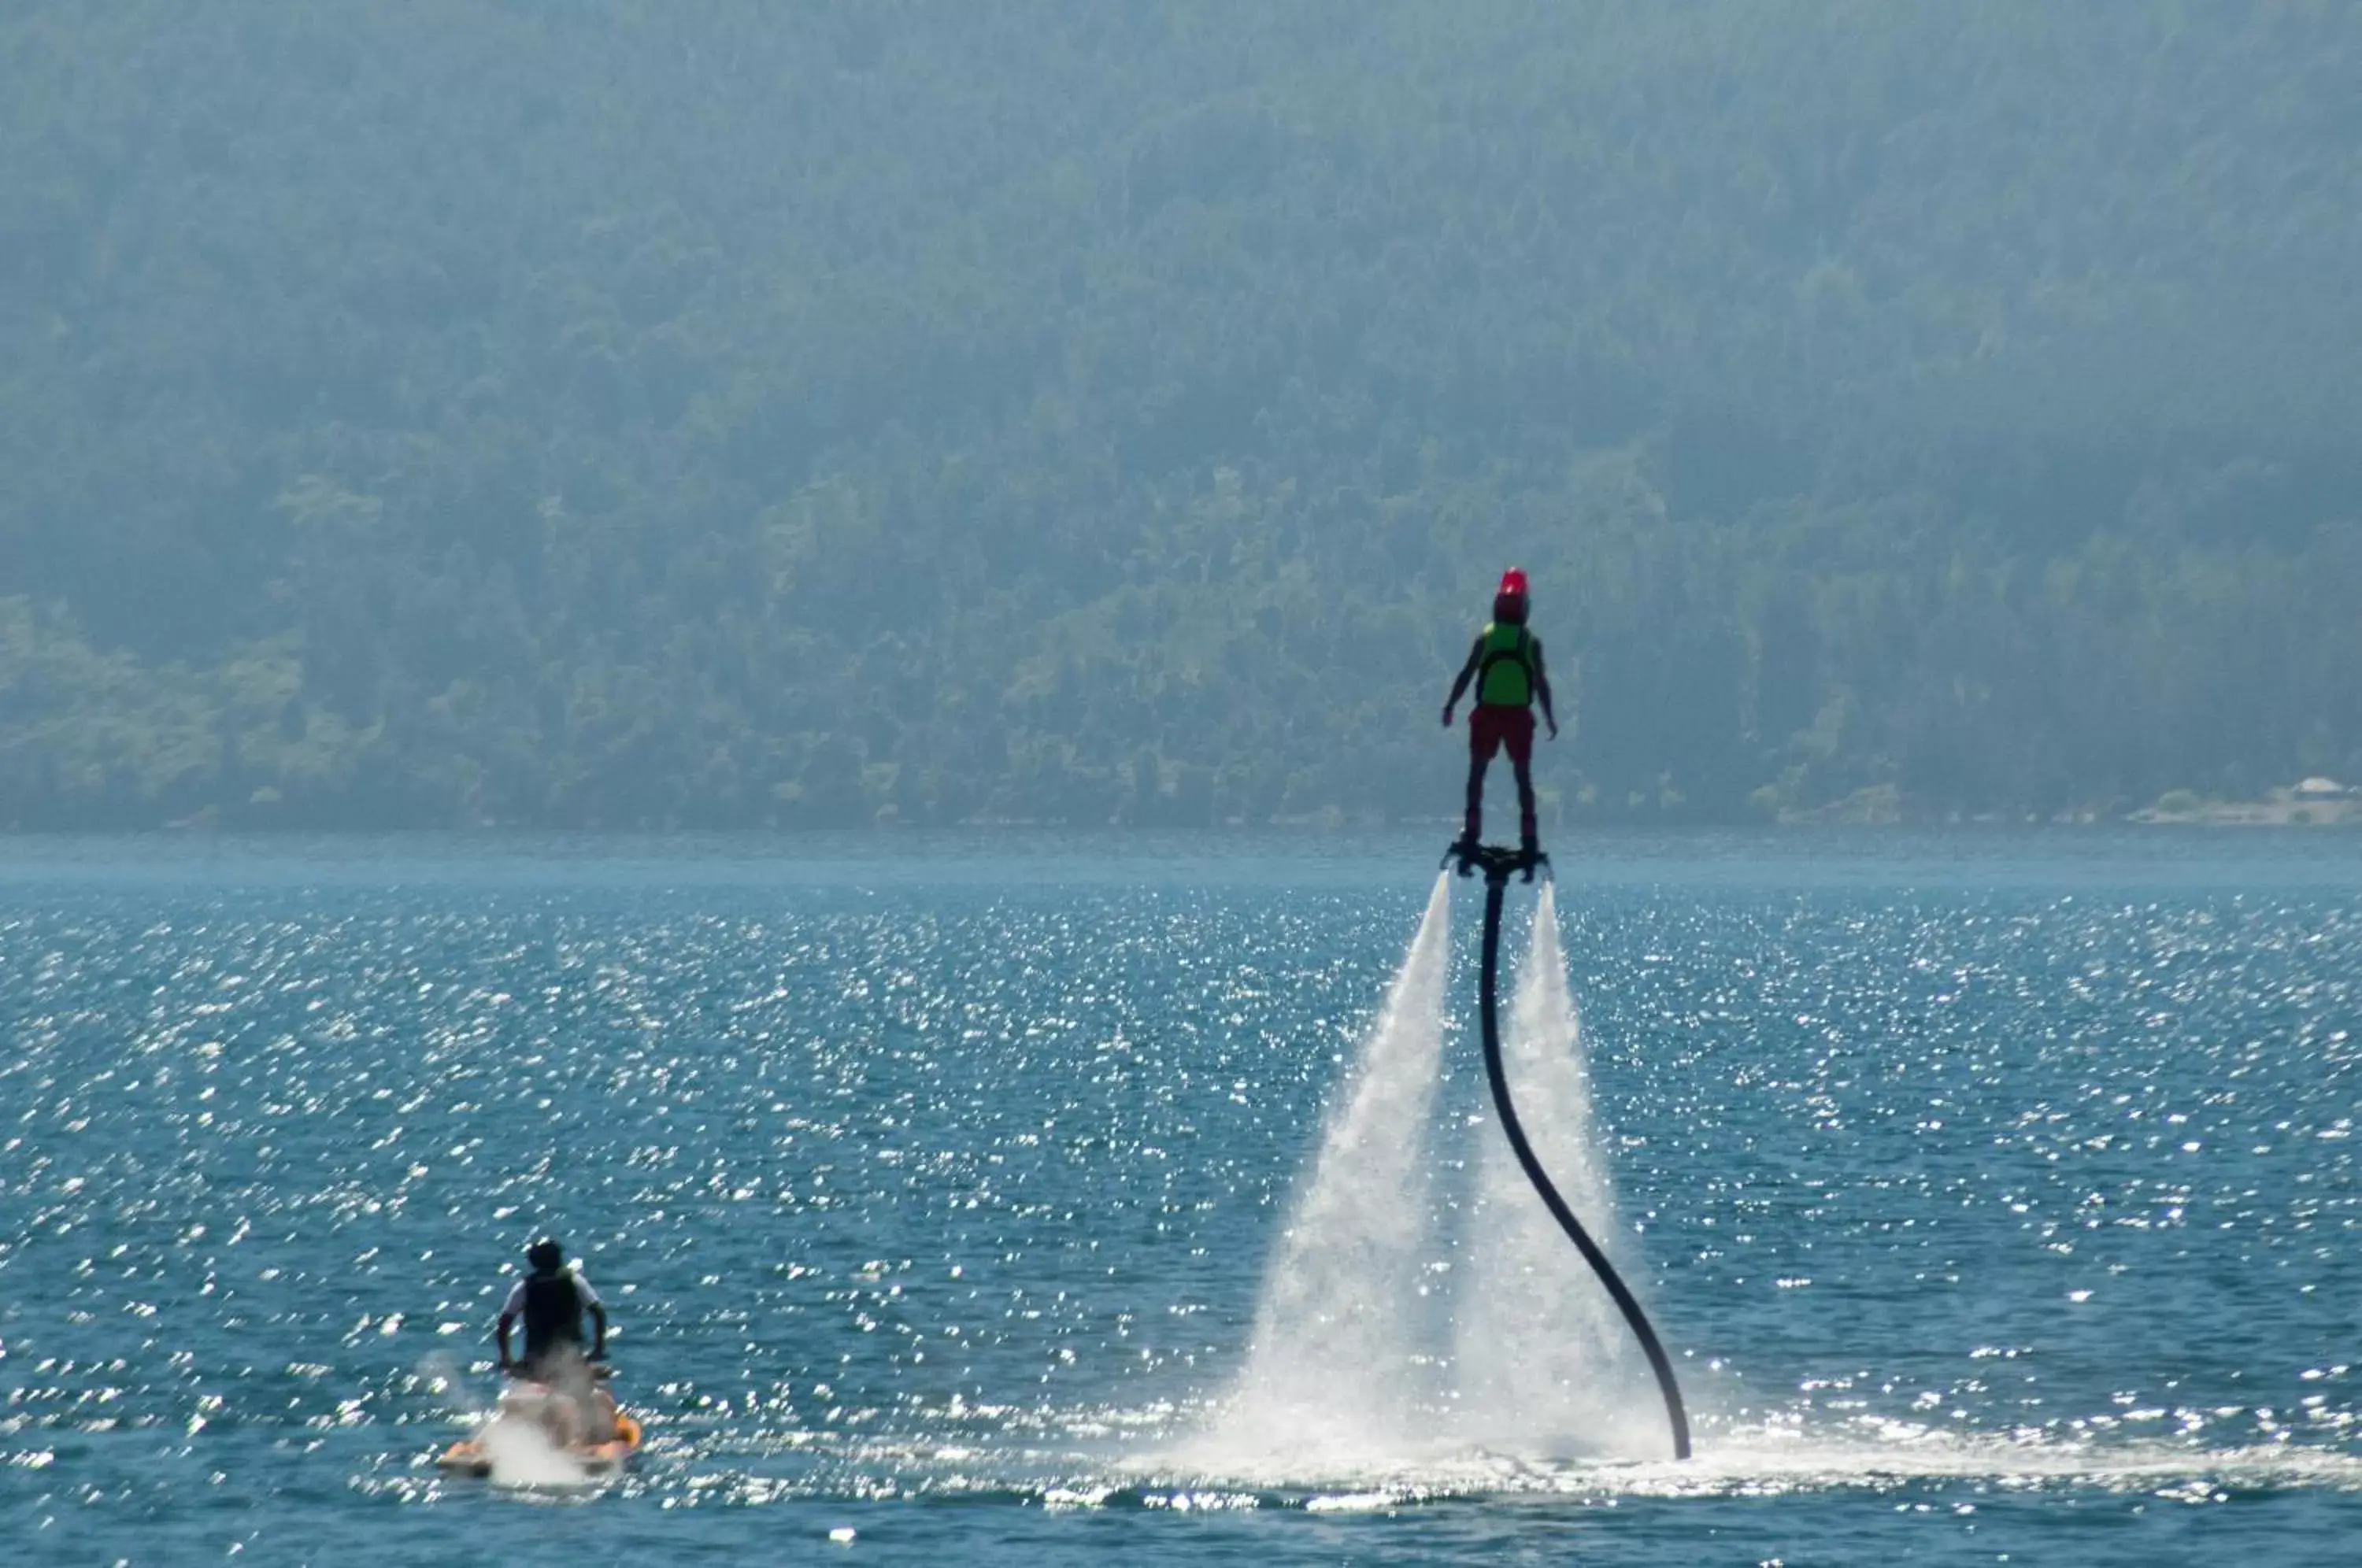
point(1491, 728)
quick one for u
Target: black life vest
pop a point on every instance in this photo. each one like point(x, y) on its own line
point(553, 1313)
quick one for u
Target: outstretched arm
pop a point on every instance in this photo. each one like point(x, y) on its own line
point(1467, 674)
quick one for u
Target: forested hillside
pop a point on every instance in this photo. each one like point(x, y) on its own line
point(619, 412)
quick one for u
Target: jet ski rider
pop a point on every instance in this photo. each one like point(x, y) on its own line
point(552, 1300)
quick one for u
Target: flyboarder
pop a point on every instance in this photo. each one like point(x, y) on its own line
point(1506, 666)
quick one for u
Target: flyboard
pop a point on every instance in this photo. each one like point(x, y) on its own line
point(1499, 864)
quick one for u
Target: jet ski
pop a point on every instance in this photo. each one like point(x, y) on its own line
point(535, 1421)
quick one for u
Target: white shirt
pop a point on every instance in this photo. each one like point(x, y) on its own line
point(514, 1305)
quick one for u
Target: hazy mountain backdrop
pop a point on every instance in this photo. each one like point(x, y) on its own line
point(632, 412)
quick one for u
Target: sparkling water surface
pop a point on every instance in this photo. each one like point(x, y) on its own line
point(1995, 1193)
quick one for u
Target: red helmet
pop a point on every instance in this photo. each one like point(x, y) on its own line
point(1513, 582)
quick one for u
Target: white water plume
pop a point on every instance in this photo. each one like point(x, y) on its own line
point(523, 1454)
point(1544, 1359)
point(1335, 1371)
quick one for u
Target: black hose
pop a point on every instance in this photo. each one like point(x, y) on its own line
point(1495, 879)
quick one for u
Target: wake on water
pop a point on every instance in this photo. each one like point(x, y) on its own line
point(1368, 1351)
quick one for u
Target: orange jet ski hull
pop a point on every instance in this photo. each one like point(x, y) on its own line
point(468, 1456)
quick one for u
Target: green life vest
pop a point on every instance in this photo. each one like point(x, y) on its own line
point(1506, 677)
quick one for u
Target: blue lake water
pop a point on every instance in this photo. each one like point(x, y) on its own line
point(1996, 1194)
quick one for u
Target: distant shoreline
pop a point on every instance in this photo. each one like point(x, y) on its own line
point(2256, 814)
point(2301, 806)
point(1840, 816)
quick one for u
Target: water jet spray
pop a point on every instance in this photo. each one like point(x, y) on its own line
point(1499, 865)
